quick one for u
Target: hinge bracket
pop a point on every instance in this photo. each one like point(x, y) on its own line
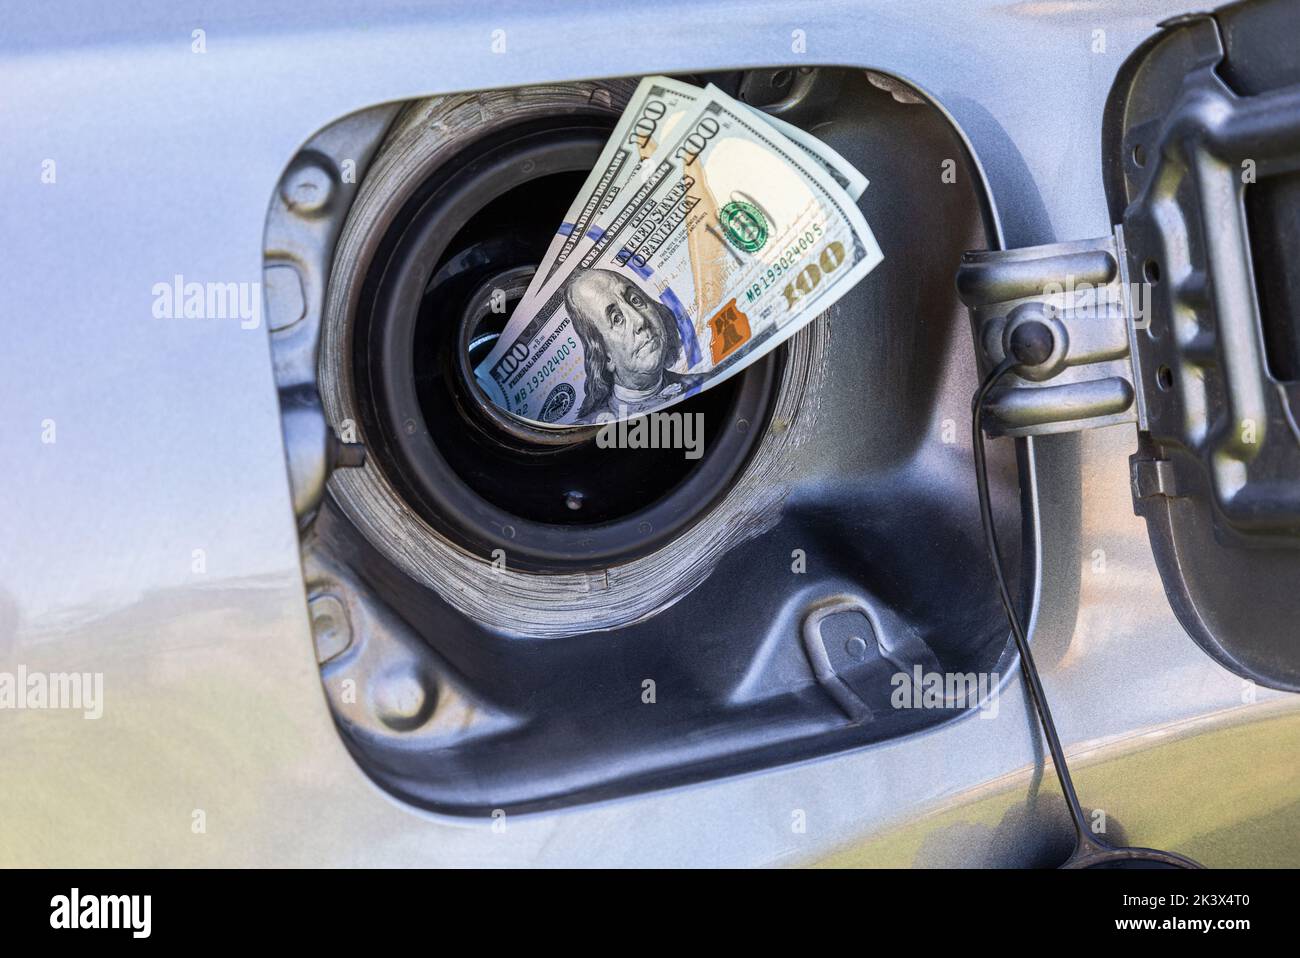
point(1080, 291)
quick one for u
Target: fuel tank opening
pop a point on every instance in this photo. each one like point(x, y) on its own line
point(453, 262)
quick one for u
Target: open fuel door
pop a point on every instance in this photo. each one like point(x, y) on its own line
point(1186, 322)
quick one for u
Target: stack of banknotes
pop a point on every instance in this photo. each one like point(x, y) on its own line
point(707, 234)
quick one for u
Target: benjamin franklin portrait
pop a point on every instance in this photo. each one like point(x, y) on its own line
point(628, 340)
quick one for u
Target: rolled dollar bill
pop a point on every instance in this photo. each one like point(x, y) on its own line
point(654, 110)
point(656, 106)
point(729, 239)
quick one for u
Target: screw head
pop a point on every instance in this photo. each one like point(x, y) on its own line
point(307, 188)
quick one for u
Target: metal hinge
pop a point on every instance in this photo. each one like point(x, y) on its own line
point(1152, 477)
point(1079, 292)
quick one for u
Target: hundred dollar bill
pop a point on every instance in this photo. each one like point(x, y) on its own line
point(655, 108)
point(730, 239)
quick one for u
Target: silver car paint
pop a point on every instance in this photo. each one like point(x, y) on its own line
point(216, 745)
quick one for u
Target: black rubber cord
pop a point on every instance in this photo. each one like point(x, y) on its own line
point(1017, 630)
